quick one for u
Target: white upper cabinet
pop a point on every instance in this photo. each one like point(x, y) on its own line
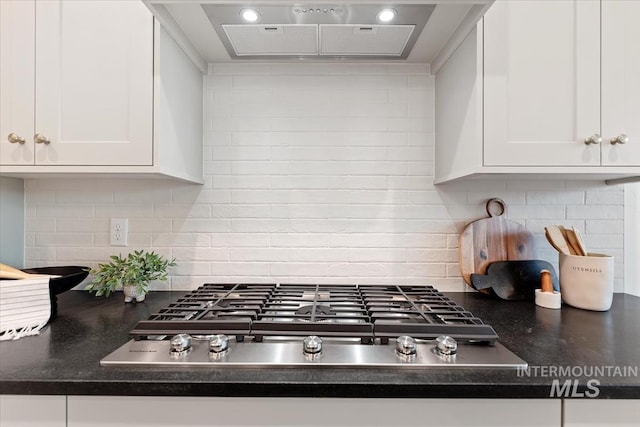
point(541, 83)
point(94, 83)
point(620, 82)
point(17, 90)
point(550, 88)
point(84, 84)
point(82, 81)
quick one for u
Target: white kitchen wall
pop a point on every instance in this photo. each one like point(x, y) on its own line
point(12, 221)
point(314, 173)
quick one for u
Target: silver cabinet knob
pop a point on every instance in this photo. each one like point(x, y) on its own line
point(41, 139)
point(620, 139)
point(593, 139)
point(406, 345)
point(15, 139)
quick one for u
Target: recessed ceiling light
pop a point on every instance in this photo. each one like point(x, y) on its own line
point(386, 15)
point(250, 15)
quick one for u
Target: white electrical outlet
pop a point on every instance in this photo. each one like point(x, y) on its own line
point(118, 231)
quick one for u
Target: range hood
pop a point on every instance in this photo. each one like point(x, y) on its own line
point(214, 31)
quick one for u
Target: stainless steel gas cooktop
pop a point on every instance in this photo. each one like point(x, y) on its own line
point(257, 325)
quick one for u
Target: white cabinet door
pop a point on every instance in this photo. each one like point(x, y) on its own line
point(88, 411)
point(541, 83)
point(601, 413)
point(40, 411)
point(17, 65)
point(94, 82)
point(620, 82)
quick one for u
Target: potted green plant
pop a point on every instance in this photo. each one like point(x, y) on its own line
point(131, 273)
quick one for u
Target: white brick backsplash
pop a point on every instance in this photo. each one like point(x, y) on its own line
point(201, 254)
point(259, 225)
point(605, 197)
point(240, 240)
point(289, 240)
point(318, 225)
point(210, 197)
point(191, 225)
point(241, 181)
point(64, 211)
point(259, 254)
point(240, 211)
point(84, 196)
point(305, 269)
point(314, 173)
point(36, 256)
point(41, 224)
point(595, 212)
point(318, 254)
point(550, 197)
point(182, 211)
point(421, 139)
point(80, 225)
point(359, 182)
point(597, 226)
point(123, 211)
point(520, 185)
point(65, 239)
point(376, 254)
point(180, 239)
point(432, 255)
point(240, 268)
point(192, 268)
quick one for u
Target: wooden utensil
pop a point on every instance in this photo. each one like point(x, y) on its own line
point(582, 247)
point(573, 240)
point(567, 239)
point(8, 272)
point(556, 238)
point(492, 239)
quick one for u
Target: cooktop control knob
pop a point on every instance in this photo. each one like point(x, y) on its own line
point(406, 345)
point(312, 345)
point(180, 345)
point(218, 344)
point(446, 346)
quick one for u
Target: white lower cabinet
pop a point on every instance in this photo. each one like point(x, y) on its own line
point(601, 413)
point(33, 411)
point(95, 411)
point(109, 411)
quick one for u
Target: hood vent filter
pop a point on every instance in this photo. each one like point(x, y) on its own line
point(352, 31)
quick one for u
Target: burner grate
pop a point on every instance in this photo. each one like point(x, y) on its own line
point(326, 310)
point(421, 312)
point(367, 312)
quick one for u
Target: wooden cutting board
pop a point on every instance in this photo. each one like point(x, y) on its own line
point(493, 239)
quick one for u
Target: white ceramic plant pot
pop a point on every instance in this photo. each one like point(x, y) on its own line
point(131, 292)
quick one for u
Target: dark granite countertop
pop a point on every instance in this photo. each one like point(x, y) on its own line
point(64, 358)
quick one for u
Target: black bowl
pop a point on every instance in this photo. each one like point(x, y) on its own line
point(70, 276)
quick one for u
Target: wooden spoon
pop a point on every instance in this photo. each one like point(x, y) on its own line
point(569, 239)
point(581, 246)
point(556, 239)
